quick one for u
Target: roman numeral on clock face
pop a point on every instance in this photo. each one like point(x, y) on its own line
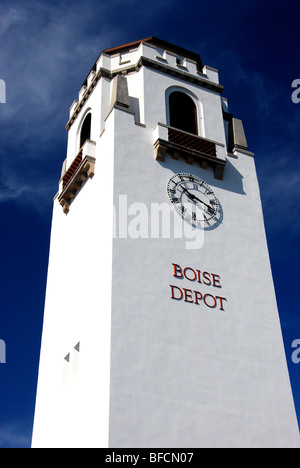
point(191, 197)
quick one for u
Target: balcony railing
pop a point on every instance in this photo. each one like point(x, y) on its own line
point(192, 142)
point(81, 169)
point(73, 168)
point(177, 143)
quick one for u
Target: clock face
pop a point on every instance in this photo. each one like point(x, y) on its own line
point(193, 199)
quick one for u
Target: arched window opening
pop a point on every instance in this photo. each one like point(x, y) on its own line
point(183, 112)
point(85, 133)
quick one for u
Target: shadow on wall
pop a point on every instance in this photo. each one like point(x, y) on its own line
point(232, 181)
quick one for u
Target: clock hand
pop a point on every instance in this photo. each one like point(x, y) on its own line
point(190, 195)
point(203, 203)
point(193, 197)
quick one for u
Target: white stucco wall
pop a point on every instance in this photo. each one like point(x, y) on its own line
point(73, 397)
point(182, 374)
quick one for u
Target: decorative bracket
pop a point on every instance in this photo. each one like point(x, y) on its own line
point(193, 148)
point(79, 172)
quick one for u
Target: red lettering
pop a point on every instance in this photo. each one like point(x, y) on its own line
point(199, 276)
point(198, 296)
point(206, 276)
point(194, 297)
point(193, 274)
point(214, 301)
point(173, 296)
point(177, 269)
point(216, 281)
point(186, 297)
point(221, 301)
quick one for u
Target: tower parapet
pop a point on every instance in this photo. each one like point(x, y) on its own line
point(140, 78)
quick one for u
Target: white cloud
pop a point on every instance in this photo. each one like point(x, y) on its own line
point(13, 435)
point(279, 179)
point(46, 55)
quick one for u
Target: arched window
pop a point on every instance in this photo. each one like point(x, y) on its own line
point(85, 133)
point(183, 112)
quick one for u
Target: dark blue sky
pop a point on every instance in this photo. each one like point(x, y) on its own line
point(47, 49)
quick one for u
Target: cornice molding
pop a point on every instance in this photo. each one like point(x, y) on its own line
point(149, 63)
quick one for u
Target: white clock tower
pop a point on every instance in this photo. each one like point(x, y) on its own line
point(161, 326)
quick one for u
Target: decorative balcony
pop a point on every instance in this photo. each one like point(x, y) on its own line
point(177, 143)
point(81, 169)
